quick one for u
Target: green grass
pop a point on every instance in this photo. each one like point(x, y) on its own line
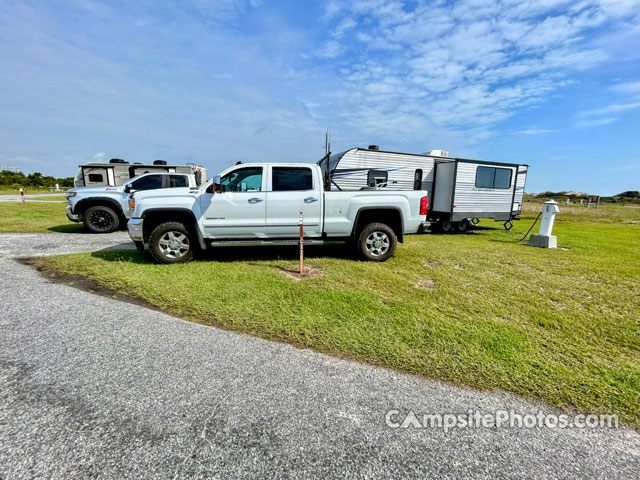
point(36, 217)
point(560, 326)
point(49, 197)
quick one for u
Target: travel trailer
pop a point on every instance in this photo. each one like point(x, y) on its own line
point(117, 172)
point(459, 190)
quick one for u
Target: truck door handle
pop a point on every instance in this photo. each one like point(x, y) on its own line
point(310, 200)
point(254, 200)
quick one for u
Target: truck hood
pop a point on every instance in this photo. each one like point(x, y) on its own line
point(95, 190)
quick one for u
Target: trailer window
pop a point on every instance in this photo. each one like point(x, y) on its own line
point(96, 177)
point(491, 177)
point(417, 180)
point(287, 179)
point(376, 177)
point(176, 181)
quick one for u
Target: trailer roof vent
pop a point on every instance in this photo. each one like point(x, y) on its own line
point(436, 153)
point(373, 147)
point(117, 160)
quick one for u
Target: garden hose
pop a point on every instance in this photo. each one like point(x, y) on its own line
point(531, 227)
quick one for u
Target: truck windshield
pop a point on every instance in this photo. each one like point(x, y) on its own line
point(78, 180)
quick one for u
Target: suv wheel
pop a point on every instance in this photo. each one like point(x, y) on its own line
point(170, 243)
point(376, 242)
point(100, 219)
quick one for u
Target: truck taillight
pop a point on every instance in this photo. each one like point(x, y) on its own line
point(132, 203)
point(424, 203)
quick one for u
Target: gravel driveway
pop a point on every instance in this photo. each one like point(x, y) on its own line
point(94, 387)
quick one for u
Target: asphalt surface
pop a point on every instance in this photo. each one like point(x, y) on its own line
point(35, 197)
point(96, 388)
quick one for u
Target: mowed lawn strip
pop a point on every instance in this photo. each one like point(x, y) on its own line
point(481, 309)
point(34, 217)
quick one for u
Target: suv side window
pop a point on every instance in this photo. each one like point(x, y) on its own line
point(176, 181)
point(151, 182)
point(288, 179)
point(242, 180)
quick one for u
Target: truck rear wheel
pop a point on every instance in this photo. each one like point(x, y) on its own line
point(100, 219)
point(170, 242)
point(376, 242)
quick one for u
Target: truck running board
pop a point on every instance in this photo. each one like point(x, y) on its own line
point(239, 243)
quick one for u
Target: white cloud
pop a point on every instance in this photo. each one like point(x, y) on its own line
point(609, 110)
point(533, 131)
point(631, 88)
point(468, 65)
point(595, 122)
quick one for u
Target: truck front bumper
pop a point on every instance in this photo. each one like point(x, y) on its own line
point(74, 217)
point(135, 229)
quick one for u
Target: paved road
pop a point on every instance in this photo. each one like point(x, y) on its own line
point(93, 387)
point(32, 197)
point(20, 245)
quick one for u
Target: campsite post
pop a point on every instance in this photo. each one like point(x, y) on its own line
point(301, 247)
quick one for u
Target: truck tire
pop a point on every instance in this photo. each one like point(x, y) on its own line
point(446, 226)
point(463, 225)
point(376, 242)
point(100, 219)
point(170, 242)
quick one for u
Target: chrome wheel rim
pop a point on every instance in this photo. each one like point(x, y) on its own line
point(174, 244)
point(377, 244)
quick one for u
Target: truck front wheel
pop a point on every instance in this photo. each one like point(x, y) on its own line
point(170, 243)
point(100, 219)
point(376, 242)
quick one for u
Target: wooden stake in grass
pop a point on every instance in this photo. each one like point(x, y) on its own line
point(301, 247)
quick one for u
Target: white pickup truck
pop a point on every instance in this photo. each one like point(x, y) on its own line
point(260, 204)
point(103, 209)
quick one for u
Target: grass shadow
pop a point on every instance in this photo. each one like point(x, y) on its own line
point(235, 254)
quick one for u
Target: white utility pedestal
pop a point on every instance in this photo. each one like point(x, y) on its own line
point(544, 239)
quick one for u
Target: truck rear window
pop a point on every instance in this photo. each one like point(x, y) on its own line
point(287, 179)
point(95, 177)
point(176, 181)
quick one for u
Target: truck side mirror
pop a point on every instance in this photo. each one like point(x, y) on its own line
point(128, 188)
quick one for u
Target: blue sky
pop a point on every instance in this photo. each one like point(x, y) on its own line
point(551, 83)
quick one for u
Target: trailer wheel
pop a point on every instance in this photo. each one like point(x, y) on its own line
point(463, 225)
point(446, 226)
point(376, 242)
point(170, 243)
point(100, 219)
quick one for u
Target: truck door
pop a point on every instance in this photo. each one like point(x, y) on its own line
point(238, 210)
point(293, 190)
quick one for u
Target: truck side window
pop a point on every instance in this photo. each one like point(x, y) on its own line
point(242, 180)
point(287, 179)
point(491, 177)
point(176, 181)
point(151, 182)
point(376, 177)
point(95, 177)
